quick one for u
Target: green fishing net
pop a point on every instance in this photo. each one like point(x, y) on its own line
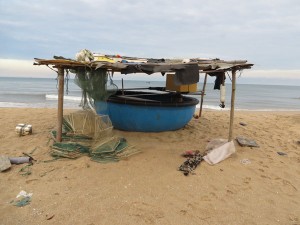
point(86, 133)
point(95, 86)
point(108, 149)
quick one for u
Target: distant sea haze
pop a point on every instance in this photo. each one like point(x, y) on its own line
point(42, 93)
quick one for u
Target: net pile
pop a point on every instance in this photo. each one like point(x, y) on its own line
point(68, 150)
point(87, 125)
point(109, 149)
point(85, 133)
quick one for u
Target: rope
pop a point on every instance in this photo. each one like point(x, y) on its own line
point(57, 81)
point(67, 81)
point(229, 76)
point(110, 75)
point(241, 71)
point(52, 69)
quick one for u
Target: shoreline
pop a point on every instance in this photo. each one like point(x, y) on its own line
point(197, 109)
point(147, 188)
point(39, 93)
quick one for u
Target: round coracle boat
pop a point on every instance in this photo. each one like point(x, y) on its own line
point(148, 111)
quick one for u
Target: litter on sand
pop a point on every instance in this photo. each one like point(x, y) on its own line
point(23, 129)
point(220, 153)
point(245, 142)
point(5, 163)
point(216, 151)
point(23, 199)
point(243, 124)
point(245, 161)
point(20, 160)
point(282, 153)
point(193, 160)
point(215, 143)
point(26, 170)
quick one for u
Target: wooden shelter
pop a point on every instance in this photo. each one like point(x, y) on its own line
point(212, 67)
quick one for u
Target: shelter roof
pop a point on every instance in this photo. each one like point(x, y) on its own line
point(138, 65)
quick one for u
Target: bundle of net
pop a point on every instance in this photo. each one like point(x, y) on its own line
point(96, 85)
point(81, 130)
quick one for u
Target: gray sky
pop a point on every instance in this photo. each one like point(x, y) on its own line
point(265, 32)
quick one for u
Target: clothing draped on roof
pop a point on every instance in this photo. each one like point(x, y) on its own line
point(184, 73)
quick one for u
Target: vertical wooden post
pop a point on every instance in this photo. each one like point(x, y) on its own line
point(202, 95)
point(232, 105)
point(60, 106)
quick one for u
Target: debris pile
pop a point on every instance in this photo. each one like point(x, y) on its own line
point(216, 151)
point(193, 160)
point(22, 199)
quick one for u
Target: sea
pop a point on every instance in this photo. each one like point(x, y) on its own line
point(42, 93)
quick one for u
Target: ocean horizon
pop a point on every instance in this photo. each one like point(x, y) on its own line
point(27, 92)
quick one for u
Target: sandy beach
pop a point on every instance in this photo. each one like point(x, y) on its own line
point(147, 188)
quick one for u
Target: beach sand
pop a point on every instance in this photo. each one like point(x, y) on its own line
point(147, 188)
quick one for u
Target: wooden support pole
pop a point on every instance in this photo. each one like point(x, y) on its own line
point(60, 106)
point(202, 95)
point(232, 105)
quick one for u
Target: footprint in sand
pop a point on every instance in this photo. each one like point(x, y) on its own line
point(262, 164)
point(265, 177)
point(286, 186)
point(29, 181)
point(146, 212)
point(229, 192)
point(294, 219)
point(247, 180)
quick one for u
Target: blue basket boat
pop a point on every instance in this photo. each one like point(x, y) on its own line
point(148, 112)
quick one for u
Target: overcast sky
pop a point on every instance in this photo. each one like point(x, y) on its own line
point(264, 32)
